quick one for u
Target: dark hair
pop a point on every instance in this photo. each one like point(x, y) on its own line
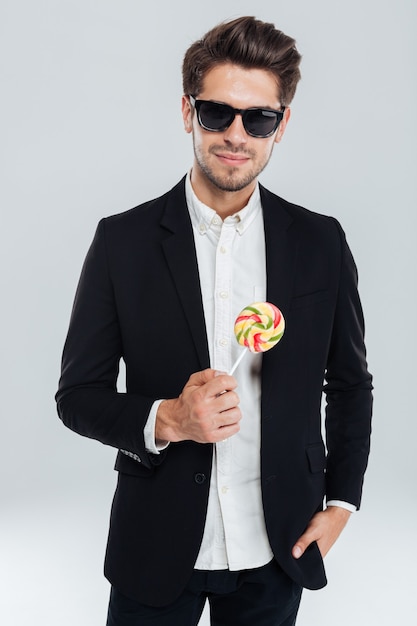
point(247, 42)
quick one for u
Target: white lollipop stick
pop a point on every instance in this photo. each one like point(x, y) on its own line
point(238, 360)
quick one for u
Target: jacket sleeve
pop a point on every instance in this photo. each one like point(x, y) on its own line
point(87, 398)
point(348, 390)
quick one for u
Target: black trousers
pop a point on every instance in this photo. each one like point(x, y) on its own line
point(265, 596)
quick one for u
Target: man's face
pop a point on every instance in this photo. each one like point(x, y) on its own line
point(231, 160)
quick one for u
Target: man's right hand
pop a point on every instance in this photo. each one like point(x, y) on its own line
point(203, 412)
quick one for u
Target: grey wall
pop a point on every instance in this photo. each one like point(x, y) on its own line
point(91, 125)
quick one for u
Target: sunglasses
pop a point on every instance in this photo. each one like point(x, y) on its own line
point(216, 117)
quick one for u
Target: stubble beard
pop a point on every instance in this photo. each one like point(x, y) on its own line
point(233, 180)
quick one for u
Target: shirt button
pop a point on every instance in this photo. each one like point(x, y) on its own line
point(215, 220)
point(224, 342)
point(200, 478)
point(202, 228)
point(224, 295)
point(225, 490)
point(223, 249)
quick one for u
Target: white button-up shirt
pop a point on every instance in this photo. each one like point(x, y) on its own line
point(231, 263)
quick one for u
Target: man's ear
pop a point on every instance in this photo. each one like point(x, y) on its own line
point(283, 124)
point(187, 114)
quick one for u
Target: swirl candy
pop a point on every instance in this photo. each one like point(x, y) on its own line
point(259, 326)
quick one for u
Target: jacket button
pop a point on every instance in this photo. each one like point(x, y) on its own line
point(200, 478)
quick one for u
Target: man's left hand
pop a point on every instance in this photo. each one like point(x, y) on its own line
point(325, 528)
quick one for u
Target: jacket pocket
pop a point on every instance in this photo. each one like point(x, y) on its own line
point(300, 302)
point(316, 456)
point(126, 465)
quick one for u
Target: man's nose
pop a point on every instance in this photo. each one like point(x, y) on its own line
point(236, 133)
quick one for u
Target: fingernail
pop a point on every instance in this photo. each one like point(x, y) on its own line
point(297, 552)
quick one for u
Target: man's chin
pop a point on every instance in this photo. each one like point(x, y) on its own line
point(231, 182)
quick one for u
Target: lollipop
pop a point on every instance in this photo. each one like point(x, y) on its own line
point(258, 327)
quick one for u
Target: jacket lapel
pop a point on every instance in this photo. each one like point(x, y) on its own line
point(180, 254)
point(281, 250)
point(281, 262)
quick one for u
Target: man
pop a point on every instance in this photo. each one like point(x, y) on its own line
point(221, 478)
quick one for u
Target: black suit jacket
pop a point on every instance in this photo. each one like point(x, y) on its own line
point(139, 299)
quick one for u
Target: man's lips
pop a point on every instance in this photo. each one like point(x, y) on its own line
point(232, 159)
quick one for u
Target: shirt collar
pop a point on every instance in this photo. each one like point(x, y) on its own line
point(203, 218)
